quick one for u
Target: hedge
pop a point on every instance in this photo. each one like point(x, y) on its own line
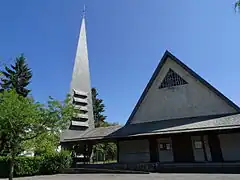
point(38, 165)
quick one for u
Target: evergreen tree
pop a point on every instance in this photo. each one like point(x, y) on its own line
point(17, 77)
point(1, 68)
point(108, 149)
point(237, 4)
point(98, 108)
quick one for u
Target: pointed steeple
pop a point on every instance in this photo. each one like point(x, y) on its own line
point(81, 84)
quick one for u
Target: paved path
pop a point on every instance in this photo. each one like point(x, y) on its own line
point(154, 176)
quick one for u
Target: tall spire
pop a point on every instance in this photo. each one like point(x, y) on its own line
point(81, 84)
point(84, 11)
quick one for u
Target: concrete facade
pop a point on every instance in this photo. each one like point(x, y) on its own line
point(80, 84)
point(80, 91)
point(199, 155)
point(189, 100)
point(230, 146)
point(134, 151)
point(165, 155)
point(187, 97)
point(137, 151)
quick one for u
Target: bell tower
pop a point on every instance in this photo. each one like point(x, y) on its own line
point(80, 88)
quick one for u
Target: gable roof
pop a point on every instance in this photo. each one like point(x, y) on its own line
point(167, 55)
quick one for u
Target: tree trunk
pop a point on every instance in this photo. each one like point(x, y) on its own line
point(11, 167)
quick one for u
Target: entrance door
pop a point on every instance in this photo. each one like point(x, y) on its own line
point(182, 148)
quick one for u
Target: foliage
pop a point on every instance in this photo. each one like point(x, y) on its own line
point(22, 119)
point(56, 162)
point(48, 142)
point(107, 150)
point(45, 143)
point(27, 166)
point(107, 124)
point(17, 77)
point(1, 74)
point(237, 4)
point(98, 108)
point(38, 165)
point(111, 151)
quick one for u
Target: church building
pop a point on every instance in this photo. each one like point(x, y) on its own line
point(179, 117)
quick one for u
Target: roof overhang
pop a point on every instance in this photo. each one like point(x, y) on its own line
point(163, 127)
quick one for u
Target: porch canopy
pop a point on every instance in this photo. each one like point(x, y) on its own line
point(173, 126)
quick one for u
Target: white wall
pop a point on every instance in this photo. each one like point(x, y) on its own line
point(134, 151)
point(165, 155)
point(189, 100)
point(230, 145)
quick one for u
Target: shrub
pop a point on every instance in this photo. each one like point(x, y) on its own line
point(55, 162)
point(39, 165)
point(27, 166)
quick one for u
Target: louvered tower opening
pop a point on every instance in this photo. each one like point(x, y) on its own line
point(80, 102)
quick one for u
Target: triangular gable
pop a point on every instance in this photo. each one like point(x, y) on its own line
point(176, 91)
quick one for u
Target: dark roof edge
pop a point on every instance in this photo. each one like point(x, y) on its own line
point(190, 71)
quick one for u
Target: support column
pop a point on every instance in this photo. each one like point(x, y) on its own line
point(215, 148)
point(117, 143)
point(204, 148)
point(85, 153)
point(90, 151)
point(153, 148)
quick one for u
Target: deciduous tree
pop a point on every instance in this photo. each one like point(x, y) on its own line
point(23, 119)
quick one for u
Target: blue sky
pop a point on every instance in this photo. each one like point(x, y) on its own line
point(126, 40)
